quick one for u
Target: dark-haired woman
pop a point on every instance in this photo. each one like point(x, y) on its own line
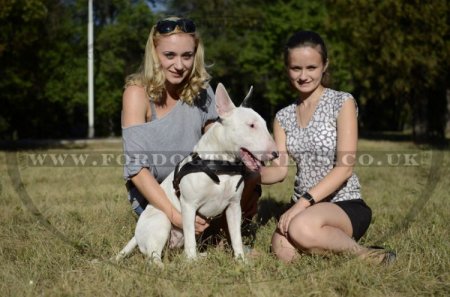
point(319, 132)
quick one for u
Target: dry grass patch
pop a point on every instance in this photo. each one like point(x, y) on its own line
point(61, 225)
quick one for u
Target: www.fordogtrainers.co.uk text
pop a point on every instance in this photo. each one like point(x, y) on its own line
point(113, 159)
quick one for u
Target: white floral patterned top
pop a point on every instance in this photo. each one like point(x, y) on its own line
point(314, 147)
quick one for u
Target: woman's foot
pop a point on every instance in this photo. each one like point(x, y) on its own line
point(377, 255)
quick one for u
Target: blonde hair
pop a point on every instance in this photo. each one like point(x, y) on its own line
point(153, 79)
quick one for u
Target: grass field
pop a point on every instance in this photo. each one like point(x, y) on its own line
point(61, 224)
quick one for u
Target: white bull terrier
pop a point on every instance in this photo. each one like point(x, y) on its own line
point(240, 135)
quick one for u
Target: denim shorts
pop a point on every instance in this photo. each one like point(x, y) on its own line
point(138, 202)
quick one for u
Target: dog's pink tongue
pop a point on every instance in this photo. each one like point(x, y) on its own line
point(252, 163)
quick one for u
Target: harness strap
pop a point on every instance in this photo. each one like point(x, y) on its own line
point(211, 167)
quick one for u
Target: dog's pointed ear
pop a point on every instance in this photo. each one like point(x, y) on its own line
point(245, 102)
point(224, 105)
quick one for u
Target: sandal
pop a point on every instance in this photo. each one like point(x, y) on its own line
point(378, 255)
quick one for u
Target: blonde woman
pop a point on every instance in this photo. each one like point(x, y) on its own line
point(167, 106)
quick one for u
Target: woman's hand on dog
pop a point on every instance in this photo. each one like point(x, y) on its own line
point(177, 220)
point(200, 225)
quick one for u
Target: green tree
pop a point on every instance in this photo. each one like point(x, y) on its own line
point(399, 51)
point(262, 55)
point(392, 55)
point(119, 47)
point(43, 53)
point(22, 25)
point(244, 43)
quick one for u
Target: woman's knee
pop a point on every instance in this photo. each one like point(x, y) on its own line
point(303, 232)
point(282, 248)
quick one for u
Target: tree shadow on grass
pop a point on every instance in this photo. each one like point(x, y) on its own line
point(217, 233)
point(434, 141)
point(42, 144)
point(269, 208)
point(386, 136)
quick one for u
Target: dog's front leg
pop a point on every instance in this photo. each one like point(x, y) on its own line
point(233, 214)
point(188, 213)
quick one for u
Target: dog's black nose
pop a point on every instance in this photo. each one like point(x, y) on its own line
point(275, 155)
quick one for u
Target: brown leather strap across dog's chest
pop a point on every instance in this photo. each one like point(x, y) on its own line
point(211, 167)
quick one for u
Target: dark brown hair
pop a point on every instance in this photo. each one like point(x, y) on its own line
point(305, 39)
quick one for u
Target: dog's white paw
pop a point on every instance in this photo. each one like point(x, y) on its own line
point(157, 262)
point(197, 256)
point(119, 257)
point(241, 258)
point(191, 258)
point(95, 261)
point(190, 253)
point(155, 259)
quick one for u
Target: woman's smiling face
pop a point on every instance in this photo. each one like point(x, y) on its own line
point(305, 68)
point(176, 54)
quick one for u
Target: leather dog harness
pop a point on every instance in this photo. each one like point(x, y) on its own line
point(211, 167)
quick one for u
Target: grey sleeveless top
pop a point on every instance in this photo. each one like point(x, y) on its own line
point(161, 143)
point(313, 148)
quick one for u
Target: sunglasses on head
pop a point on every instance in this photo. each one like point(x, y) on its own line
point(167, 26)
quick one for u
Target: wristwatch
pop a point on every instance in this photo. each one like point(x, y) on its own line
point(308, 197)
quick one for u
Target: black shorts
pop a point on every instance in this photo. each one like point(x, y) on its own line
point(359, 213)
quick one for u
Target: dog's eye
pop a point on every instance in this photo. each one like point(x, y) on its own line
point(252, 125)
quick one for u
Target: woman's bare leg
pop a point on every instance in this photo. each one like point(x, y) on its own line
point(324, 227)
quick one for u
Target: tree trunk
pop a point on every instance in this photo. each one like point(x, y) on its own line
point(419, 107)
point(430, 116)
point(447, 116)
